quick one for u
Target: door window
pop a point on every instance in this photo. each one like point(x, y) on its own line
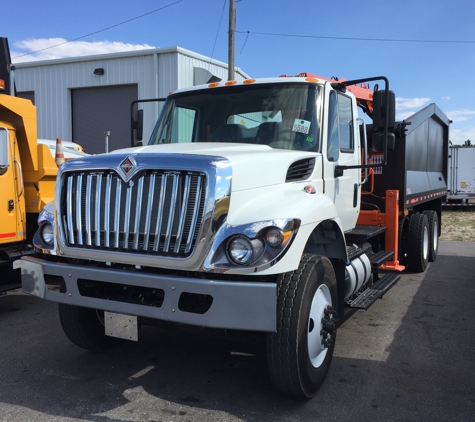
point(340, 129)
point(4, 150)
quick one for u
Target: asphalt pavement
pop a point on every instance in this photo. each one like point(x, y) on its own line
point(410, 357)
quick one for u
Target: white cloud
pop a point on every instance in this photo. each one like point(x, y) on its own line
point(56, 48)
point(406, 107)
point(410, 103)
point(460, 115)
point(459, 136)
point(446, 98)
point(404, 115)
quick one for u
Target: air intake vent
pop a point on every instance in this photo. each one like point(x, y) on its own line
point(300, 170)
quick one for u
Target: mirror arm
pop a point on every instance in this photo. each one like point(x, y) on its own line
point(133, 121)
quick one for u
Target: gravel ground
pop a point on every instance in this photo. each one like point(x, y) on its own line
point(458, 225)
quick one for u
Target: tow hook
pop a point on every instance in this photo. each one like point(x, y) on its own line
point(328, 327)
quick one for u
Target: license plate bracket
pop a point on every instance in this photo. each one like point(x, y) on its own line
point(121, 326)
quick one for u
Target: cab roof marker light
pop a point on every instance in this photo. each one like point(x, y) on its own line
point(248, 81)
point(228, 83)
point(213, 85)
point(311, 80)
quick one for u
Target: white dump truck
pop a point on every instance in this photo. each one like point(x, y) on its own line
point(265, 205)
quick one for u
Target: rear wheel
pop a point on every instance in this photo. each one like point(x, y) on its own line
point(85, 328)
point(433, 220)
point(418, 243)
point(299, 353)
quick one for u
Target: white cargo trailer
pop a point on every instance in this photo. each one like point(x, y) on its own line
point(461, 176)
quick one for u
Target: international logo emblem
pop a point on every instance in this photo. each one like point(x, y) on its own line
point(127, 167)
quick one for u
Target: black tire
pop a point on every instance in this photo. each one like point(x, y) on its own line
point(84, 328)
point(433, 220)
point(298, 365)
point(418, 243)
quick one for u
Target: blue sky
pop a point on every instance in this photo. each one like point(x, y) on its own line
point(274, 37)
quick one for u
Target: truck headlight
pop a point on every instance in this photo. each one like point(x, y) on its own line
point(43, 240)
point(274, 237)
point(256, 245)
point(47, 233)
point(240, 250)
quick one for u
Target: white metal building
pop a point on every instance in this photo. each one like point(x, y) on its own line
point(79, 99)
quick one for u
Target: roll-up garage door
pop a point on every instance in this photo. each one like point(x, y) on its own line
point(102, 109)
point(27, 95)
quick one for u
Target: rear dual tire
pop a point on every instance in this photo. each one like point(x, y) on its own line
point(418, 243)
point(433, 220)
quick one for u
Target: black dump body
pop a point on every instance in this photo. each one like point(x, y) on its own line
point(417, 166)
point(5, 63)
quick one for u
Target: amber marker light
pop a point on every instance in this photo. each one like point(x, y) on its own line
point(2, 84)
point(228, 83)
point(309, 189)
point(287, 236)
point(248, 81)
point(213, 85)
point(311, 80)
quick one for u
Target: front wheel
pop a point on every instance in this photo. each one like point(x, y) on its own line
point(85, 328)
point(299, 353)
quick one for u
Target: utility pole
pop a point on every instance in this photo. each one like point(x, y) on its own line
point(232, 30)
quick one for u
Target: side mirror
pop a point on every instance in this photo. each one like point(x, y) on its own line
point(377, 142)
point(138, 125)
point(379, 109)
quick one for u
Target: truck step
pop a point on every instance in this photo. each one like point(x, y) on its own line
point(362, 233)
point(375, 292)
point(354, 252)
point(7, 287)
point(379, 258)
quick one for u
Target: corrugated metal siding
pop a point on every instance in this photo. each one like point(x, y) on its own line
point(52, 85)
point(187, 63)
point(156, 73)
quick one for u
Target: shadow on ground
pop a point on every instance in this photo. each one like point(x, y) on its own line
point(180, 376)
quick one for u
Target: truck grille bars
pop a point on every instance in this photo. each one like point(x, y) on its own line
point(157, 212)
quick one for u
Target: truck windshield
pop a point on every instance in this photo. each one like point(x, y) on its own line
point(281, 115)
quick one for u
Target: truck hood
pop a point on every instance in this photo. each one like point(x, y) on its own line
point(252, 165)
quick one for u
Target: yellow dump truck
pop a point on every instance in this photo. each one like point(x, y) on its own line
point(27, 175)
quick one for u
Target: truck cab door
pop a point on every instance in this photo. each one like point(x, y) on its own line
point(343, 149)
point(12, 205)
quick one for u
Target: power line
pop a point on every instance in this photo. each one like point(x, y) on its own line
point(101, 30)
point(356, 38)
point(217, 32)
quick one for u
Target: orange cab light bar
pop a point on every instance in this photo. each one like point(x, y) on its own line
point(363, 94)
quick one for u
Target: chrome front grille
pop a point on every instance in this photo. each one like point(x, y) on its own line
point(156, 212)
